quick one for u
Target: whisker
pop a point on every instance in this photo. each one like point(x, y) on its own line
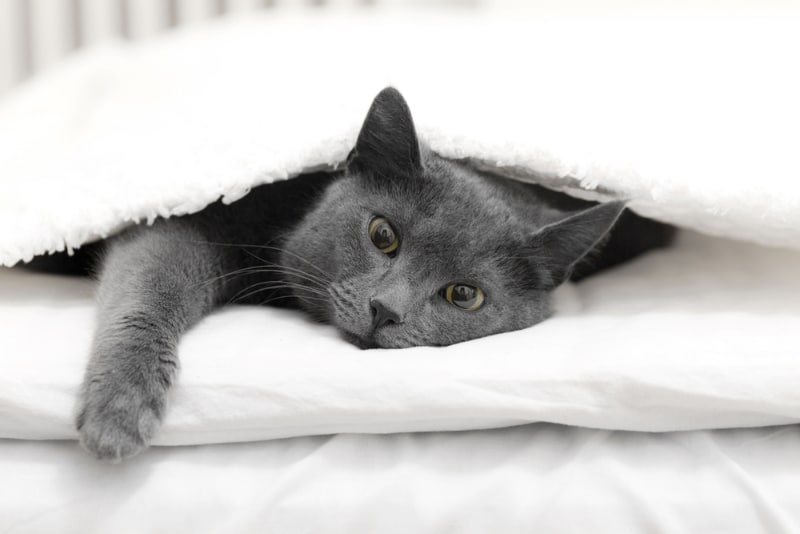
point(290, 285)
point(271, 268)
point(322, 279)
point(326, 276)
point(261, 290)
point(267, 247)
point(287, 269)
point(265, 286)
point(317, 284)
point(300, 272)
point(273, 299)
point(241, 271)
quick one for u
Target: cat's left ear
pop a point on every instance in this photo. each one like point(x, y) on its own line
point(558, 247)
point(387, 144)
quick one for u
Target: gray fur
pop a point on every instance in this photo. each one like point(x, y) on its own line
point(455, 225)
point(149, 295)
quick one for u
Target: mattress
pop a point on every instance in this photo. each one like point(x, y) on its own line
point(534, 478)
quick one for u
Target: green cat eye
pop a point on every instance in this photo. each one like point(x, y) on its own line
point(466, 297)
point(383, 235)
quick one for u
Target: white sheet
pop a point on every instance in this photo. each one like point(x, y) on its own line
point(539, 478)
point(695, 121)
point(703, 335)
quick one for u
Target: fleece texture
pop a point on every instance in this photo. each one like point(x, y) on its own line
point(695, 122)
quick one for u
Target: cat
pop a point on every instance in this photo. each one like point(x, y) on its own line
point(402, 248)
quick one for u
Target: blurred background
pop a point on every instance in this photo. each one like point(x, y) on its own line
point(35, 34)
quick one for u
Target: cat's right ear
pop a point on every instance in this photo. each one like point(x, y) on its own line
point(387, 145)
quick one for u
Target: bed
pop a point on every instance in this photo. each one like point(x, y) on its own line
point(662, 396)
point(540, 477)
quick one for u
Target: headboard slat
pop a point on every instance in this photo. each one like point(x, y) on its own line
point(51, 31)
point(35, 34)
point(99, 21)
point(195, 10)
point(11, 68)
point(146, 17)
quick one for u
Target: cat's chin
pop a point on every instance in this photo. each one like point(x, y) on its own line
point(361, 342)
point(370, 342)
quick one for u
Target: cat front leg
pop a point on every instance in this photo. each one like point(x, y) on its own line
point(155, 283)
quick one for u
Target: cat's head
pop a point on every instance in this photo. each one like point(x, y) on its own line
point(410, 249)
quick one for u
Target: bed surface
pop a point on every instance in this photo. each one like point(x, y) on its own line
point(534, 478)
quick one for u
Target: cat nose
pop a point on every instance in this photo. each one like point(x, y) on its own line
point(382, 314)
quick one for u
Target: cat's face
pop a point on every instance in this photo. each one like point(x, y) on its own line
point(411, 249)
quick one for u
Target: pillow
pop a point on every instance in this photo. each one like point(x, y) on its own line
point(702, 335)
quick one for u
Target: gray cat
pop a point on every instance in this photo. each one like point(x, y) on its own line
point(403, 248)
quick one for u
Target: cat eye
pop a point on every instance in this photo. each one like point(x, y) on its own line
point(383, 235)
point(466, 297)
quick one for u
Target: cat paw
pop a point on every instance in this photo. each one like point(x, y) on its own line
point(113, 429)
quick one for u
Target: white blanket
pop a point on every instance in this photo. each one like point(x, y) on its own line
point(699, 130)
point(696, 122)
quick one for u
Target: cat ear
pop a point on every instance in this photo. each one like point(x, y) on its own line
point(387, 144)
point(559, 246)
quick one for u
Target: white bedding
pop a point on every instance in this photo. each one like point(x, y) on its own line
point(703, 335)
point(695, 130)
point(536, 478)
point(696, 124)
point(694, 121)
